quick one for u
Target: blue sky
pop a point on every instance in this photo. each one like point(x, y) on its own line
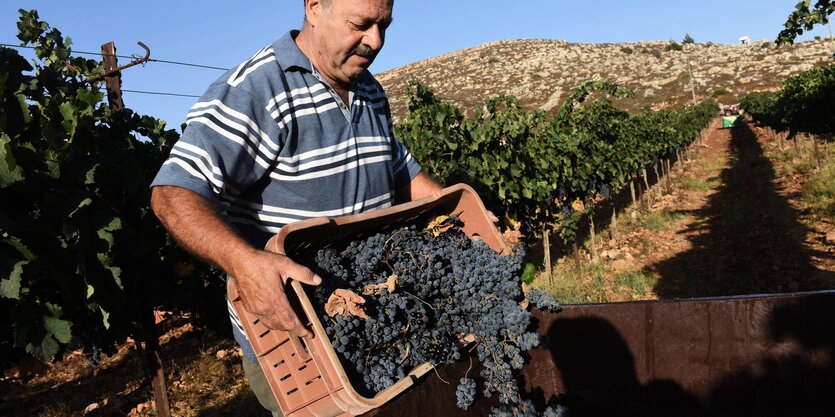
point(224, 33)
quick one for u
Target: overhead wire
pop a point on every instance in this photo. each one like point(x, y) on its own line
point(163, 61)
point(158, 93)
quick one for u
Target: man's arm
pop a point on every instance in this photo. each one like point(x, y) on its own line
point(421, 186)
point(260, 275)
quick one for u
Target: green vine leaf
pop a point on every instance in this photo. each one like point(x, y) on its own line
point(24, 107)
point(10, 172)
point(45, 350)
point(70, 118)
point(105, 318)
point(10, 287)
point(59, 328)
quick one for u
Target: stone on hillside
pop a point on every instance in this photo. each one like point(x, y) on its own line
point(620, 265)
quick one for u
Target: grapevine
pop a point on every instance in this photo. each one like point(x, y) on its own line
point(803, 104)
point(535, 168)
point(82, 257)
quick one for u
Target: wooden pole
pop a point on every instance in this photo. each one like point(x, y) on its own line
point(692, 83)
point(113, 82)
point(803, 146)
point(576, 249)
point(632, 189)
point(657, 175)
point(646, 188)
point(546, 250)
point(148, 343)
point(149, 350)
point(592, 236)
point(817, 153)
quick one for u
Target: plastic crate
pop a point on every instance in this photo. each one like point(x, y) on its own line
point(305, 375)
point(730, 121)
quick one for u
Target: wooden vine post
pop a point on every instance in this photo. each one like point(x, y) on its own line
point(546, 250)
point(817, 152)
point(149, 347)
point(592, 235)
point(646, 187)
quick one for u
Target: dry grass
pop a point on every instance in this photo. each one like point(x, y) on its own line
point(819, 191)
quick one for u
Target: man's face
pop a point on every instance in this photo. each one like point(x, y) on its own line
point(347, 37)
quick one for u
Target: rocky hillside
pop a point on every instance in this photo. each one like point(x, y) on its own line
point(542, 73)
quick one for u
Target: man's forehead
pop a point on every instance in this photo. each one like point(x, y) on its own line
point(358, 7)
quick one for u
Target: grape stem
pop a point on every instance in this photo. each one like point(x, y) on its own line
point(419, 299)
point(435, 368)
point(405, 355)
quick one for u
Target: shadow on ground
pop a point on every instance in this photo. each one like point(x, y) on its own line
point(749, 241)
point(124, 384)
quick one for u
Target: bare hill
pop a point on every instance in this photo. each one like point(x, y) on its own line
point(542, 73)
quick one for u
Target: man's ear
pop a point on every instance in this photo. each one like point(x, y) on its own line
point(313, 10)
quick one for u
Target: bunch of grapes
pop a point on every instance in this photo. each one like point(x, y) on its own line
point(426, 294)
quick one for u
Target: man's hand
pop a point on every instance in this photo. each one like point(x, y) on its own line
point(262, 283)
point(261, 276)
point(492, 217)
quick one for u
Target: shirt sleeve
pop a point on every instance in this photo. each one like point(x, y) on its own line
point(404, 167)
point(230, 142)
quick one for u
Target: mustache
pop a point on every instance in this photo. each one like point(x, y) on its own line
point(364, 51)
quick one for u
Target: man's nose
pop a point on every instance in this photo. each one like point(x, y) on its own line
point(374, 38)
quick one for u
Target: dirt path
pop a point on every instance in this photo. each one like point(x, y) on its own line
point(746, 235)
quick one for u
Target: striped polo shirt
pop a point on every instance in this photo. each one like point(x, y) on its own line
point(270, 143)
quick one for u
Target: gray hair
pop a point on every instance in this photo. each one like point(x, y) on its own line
point(326, 4)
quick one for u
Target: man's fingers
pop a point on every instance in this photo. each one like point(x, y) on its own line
point(492, 217)
point(301, 331)
point(302, 274)
point(283, 318)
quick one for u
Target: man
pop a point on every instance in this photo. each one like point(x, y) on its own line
point(300, 130)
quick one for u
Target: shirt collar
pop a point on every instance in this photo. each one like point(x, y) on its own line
point(288, 54)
